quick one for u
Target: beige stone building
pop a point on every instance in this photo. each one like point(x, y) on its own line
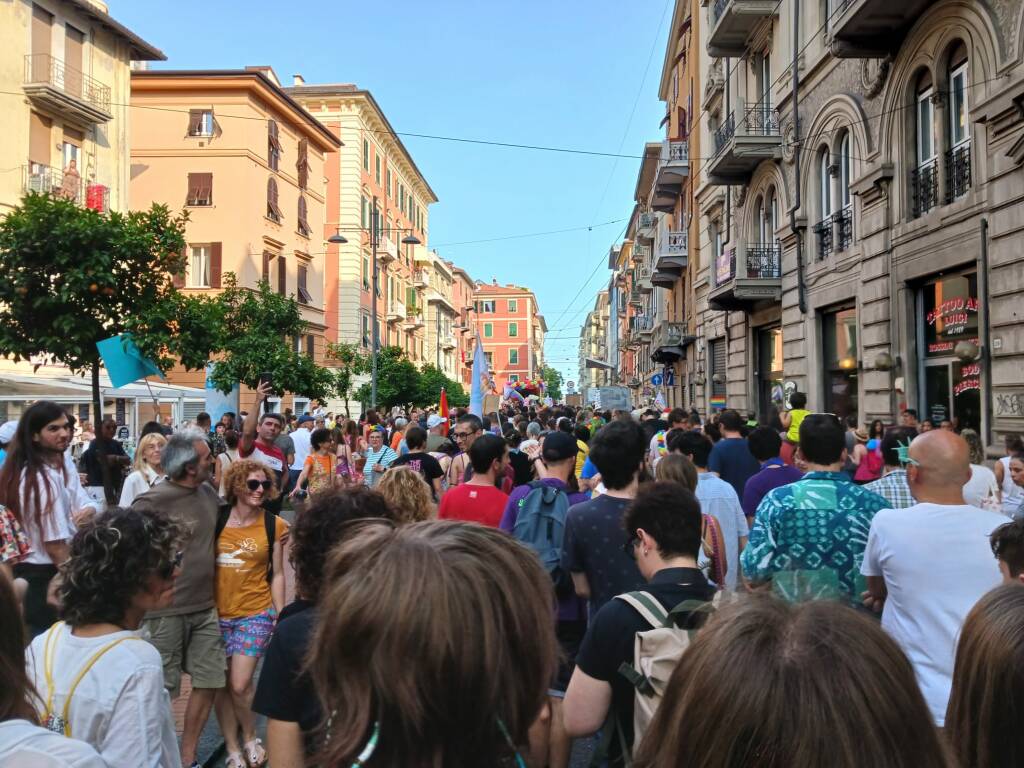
point(434, 280)
point(594, 370)
point(66, 126)
point(233, 149)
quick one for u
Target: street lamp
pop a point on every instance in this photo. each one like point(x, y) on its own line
point(337, 238)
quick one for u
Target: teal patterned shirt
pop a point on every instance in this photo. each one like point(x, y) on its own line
point(809, 537)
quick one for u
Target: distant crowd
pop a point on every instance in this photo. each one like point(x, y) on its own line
point(417, 589)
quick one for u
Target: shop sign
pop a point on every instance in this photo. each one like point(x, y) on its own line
point(950, 313)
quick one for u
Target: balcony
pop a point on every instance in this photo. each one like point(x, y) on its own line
point(68, 185)
point(65, 91)
point(421, 279)
point(643, 279)
point(646, 226)
point(413, 318)
point(958, 171)
point(870, 28)
point(448, 341)
point(641, 254)
point(924, 188)
point(731, 23)
point(834, 233)
point(751, 275)
point(387, 251)
point(741, 145)
point(396, 312)
point(672, 251)
point(669, 342)
point(635, 299)
point(673, 170)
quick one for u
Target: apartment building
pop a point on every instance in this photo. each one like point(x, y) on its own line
point(66, 124)
point(511, 330)
point(371, 177)
point(463, 290)
point(594, 370)
point(234, 150)
point(435, 279)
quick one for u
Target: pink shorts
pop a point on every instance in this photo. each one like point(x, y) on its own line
point(248, 635)
point(13, 541)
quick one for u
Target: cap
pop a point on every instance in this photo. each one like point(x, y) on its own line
point(435, 421)
point(861, 435)
point(559, 446)
point(7, 431)
point(304, 418)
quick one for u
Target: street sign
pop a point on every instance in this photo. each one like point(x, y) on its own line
point(656, 379)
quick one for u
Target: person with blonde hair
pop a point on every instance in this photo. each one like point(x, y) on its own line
point(147, 471)
point(772, 684)
point(250, 593)
point(472, 606)
point(406, 490)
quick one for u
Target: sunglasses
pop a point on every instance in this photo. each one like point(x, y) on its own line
point(253, 485)
point(461, 435)
point(168, 570)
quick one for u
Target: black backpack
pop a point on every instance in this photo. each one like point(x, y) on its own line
point(269, 525)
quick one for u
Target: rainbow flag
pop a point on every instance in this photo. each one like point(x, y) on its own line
point(717, 402)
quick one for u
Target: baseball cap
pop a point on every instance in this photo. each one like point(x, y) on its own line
point(305, 418)
point(435, 421)
point(7, 431)
point(559, 446)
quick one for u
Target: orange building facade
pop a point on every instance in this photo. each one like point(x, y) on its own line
point(511, 329)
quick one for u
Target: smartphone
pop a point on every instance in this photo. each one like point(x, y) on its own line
point(268, 378)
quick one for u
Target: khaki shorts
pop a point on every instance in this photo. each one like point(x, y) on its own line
point(191, 642)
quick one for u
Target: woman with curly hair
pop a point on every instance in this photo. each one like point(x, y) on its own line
point(250, 592)
point(407, 491)
point(98, 679)
point(147, 470)
point(285, 694)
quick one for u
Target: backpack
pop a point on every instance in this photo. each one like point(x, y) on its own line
point(540, 525)
point(269, 525)
point(656, 653)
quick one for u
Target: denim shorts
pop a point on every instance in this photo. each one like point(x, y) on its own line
point(248, 635)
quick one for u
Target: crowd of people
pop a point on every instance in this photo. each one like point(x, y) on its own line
point(488, 590)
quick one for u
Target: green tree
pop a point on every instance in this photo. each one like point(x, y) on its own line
point(397, 380)
point(457, 396)
point(256, 326)
point(72, 276)
point(553, 382)
point(348, 361)
point(432, 380)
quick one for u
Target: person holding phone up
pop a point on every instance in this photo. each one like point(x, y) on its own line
point(259, 433)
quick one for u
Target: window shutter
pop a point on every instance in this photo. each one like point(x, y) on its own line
point(310, 345)
point(200, 189)
point(193, 189)
point(267, 256)
point(273, 211)
point(195, 122)
point(302, 275)
point(215, 265)
point(717, 365)
point(302, 163)
point(282, 276)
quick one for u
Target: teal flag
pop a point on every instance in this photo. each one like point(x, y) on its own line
point(124, 361)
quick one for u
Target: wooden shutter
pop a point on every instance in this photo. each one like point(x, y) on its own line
point(42, 26)
point(273, 211)
point(304, 227)
point(282, 275)
point(302, 163)
point(215, 264)
point(40, 134)
point(302, 288)
point(310, 345)
point(200, 189)
point(195, 122)
point(74, 42)
point(267, 256)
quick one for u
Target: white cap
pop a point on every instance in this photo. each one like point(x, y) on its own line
point(7, 431)
point(435, 421)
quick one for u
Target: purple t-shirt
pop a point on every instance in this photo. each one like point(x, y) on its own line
point(570, 608)
point(774, 473)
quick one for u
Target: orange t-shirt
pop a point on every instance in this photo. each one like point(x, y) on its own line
point(321, 472)
point(242, 558)
point(396, 440)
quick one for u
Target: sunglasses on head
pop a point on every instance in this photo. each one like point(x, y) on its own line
point(252, 485)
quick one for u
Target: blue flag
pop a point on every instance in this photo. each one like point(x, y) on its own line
point(124, 361)
point(476, 392)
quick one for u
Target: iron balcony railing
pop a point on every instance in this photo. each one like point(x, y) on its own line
point(756, 121)
point(719, 9)
point(724, 132)
point(823, 229)
point(958, 171)
point(844, 227)
point(44, 180)
point(764, 261)
point(924, 188)
point(44, 68)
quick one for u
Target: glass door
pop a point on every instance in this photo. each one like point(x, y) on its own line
point(937, 401)
point(769, 371)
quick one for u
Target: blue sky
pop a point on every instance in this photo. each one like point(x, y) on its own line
point(559, 74)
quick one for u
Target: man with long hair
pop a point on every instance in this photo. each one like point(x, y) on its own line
point(47, 499)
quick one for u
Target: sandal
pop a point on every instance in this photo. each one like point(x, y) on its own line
point(255, 754)
point(234, 760)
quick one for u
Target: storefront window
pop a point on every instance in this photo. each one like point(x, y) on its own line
point(839, 332)
point(769, 371)
point(950, 307)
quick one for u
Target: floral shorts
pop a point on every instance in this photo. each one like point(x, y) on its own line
point(248, 635)
point(14, 543)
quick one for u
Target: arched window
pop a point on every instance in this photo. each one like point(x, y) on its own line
point(761, 222)
point(824, 185)
point(844, 171)
point(958, 153)
point(924, 186)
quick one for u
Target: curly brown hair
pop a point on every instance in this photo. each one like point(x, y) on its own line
point(112, 557)
point(238, 473)
point(321, 525)
point(407, 491)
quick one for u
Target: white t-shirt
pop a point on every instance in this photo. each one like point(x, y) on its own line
point(981, 486)
point(66, 497)
point(136, 484)
point(26, 745)
point(937, 563)
point(120, 706)
point(301, 438)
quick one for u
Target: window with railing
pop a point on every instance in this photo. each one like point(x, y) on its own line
point(958, 156)
point(764, 261)
point(924, 187)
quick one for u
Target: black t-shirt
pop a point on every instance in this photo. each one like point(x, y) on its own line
point(593, 541)
point(284, 692)
point(428, 467)
point(610, 638)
